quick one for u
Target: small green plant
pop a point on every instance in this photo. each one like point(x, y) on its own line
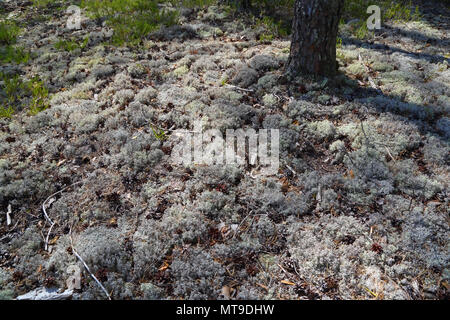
point(224, 81)
point(338, 42)
point(400, 10)
point(39, 96)
point(362, 31)
point(12, 86)
point(273, 28)
point(6, 111)
point(67, 45)
point(15, 93)
point(195, 3)
point(159, 134)
point(71, 45)
point(13, 54)
point(41, 4)
point(9, 52)
point(132, 20)
point(8, 33)
point(12, 90)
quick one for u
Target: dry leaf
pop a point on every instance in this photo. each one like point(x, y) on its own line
point(288, 282)
point(113, 222)
point(352, 175)
point(226, 292)
point(164, 266)
point(53, 241)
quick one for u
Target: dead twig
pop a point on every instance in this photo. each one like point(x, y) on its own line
point(8, 215)
point(239, 88)
point(44, 209)
point(290, 169)
point(389, 153)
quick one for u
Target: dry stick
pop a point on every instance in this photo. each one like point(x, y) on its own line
point(239, 88)
point(389, 153)
point(87, 267)
point(8, 215)
point(46, 215)
point(292, 170)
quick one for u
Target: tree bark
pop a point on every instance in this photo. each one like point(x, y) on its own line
point(314, 33)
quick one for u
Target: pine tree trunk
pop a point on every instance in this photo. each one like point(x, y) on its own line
point(314, 33)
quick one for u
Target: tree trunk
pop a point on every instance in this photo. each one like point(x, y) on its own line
point(314, 33)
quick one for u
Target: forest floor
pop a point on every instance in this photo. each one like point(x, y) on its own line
point(357, 210)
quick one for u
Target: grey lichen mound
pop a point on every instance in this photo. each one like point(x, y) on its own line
point(197, 275)
point(358, 208)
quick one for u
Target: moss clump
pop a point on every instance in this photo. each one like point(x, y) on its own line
point(151, 292)
point(180, 71)
point(357, 69)
point(382, 66)
point(270, 100)
point(322, 129)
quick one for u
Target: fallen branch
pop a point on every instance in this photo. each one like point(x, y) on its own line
point(290, 169)
point(8, 215)
point(239, 88)
point(46, 294)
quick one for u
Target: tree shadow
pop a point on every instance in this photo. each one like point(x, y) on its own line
point(423, 117)
point(418, 36)
point(387, 49)
point(430, 9)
